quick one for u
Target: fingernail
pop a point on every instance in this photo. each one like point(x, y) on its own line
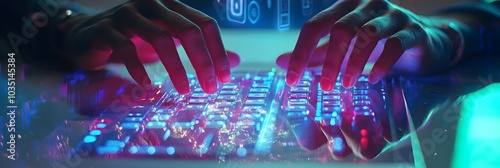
point(184, 88)
point(211, 86)
point(225, 75)
point(326, 84)
point(373, 78)
point(348, 81)
point(291, 78)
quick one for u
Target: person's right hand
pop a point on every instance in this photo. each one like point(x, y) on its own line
point(127, 33)
point(410, 43)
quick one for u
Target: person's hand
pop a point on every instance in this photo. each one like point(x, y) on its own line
point(134, 32)
point(406, 41)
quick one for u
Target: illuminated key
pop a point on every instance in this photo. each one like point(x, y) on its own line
point(297, 101)
point(331, 97)
point(299, 95)
point(299, 89)
point(259, 90)
point(161, 117)
point(195, 107)
point(224, 104)
point(226, 98)
point(257, 95)
point(331, 103)
point(230, 87)
point(155, 125)
point(198, 101)
point(228, 92)
point(130, 125)
point(255, 102)
point(133, 119)
point(296, 108)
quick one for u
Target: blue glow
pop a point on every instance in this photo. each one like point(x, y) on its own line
point(254, 13)
point(264, 139)
point(115, 143)
point(101, 125)
point(170, 150)
point(166, 135)
point(332, 121)
point(151, 150)
point(338, 144)
point(206, 143)
point(101, 150)
point(133, 150)
point(236, 11)
point(366, 113)
point(95, 132)
point(89, 139)
point(241, 151)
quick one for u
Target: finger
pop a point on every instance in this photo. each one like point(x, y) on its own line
point(123, 48)
point(161, 41)
point(193, 42)
point(234, 59)
point(211, 34)
point(316, 59)
point(394, 47)
point(310, 35)
point(307, 132)
point(91, 52)
point(367, 39)
point(342, 33)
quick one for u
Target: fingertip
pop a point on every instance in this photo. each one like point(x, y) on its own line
point(348, 81)
point(292, 78)
point(283, 60)
point(326, 84)
point(234, 59)
point(184, 88)
point(211, 86)
point(225, 75)
point(373, 78)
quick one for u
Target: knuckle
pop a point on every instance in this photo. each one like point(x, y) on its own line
point(124, 10)
point(400, 16)
point(162, 37)
point(378, 5)
point(371, 29)
point(356, 64)
point(205, 65)
point(209, 23)
point(343, 28)
point(311, 25)
point(190, 30)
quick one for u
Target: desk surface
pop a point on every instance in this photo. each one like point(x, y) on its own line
point(436, 103)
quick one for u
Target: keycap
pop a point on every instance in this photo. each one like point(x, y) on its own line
point(133, 119)
point(297, 101)
point(331, 97)
point(360, 97)
point(332, 103)
point(217, 117)
point(299, 89)
point(161, 117)
point(299, 95)
point(257, 95)
point(117, 143)
point(304, 84)
point(259, 90)
point(107, 150)
point(331, 109)
point(296, 114)
point(363, 102)
point(254, 116)
point(228, 92)
point(135, 114)
point(255, 102)
point(254, 109)
point(224, 104)
point(197, 101)
point(164, 111)
point(261, 85)
point(226, 98)
point(230, 87)
point(296, 108)
point(216, 124)
point(332, 92)
point(130, 125)
point(199, 95)
point(360, 92)
point(195, 107)
point(156, 125)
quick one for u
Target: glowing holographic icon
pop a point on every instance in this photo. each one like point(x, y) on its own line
point(283, 14)
point(307, 8)
point(236, 11)
point(253, 12)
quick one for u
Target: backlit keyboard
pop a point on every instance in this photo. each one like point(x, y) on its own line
point(253, 115)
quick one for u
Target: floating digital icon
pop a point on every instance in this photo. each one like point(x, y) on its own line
point(283, 14)
point(307, 8)
point(253, 12)
point(236, 11)
point(269, 3)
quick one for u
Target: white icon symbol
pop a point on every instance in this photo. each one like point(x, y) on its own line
point(236, 11)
